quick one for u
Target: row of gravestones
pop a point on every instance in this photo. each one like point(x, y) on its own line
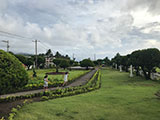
point(153, 75)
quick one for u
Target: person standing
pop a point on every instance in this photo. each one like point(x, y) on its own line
point(65, 78)
point(46, 82)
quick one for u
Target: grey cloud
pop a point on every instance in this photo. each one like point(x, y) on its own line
point(153, 6)
point(83, 27)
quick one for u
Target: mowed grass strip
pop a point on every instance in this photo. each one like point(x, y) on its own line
point(119, 98)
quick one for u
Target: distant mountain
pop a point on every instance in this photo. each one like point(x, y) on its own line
point(25, 54)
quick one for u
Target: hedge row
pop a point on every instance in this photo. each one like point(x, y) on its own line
point(94, 83)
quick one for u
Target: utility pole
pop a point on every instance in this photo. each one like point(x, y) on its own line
point(73, 56)
point(36, 49)
point(6, 41)
point(94, 57)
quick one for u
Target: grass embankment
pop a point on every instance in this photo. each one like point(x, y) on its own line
point(120, 98)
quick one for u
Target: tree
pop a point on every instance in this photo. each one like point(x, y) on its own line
point(29, 62)
point(148, 59)
point(86, 63)
point(116, 59)
point(134, 60)
point(124, 61)
point(49, 53)
point(95, 63)
point(22, 58)
point(100, 61)
point(76, 63)
point(64, 64)
point(71, 62)
point(58, 55)
point(12, 73)
point(67, 57)
point(107, 61)
point(57, 62)
point(40, 61)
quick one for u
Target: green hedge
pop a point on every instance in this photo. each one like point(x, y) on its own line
point(12, 73)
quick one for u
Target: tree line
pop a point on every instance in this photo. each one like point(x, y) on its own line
point(146, 60)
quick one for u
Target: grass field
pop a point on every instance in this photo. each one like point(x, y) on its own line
point(52, 78)
point(119, 98)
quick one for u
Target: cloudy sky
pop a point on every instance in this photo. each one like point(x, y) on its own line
point(82, 27)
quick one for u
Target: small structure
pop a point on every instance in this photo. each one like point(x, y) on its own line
point(80, 68)
point(49, 61)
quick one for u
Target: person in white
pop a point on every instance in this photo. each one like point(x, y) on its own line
point(46, 82)
point(65, 78)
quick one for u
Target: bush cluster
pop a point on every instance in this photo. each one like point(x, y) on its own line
point(12, 73)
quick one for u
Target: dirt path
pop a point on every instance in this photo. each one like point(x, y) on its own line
point(80, 81)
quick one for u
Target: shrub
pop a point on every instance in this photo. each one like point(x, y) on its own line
point(12, 73)
point(43, 98)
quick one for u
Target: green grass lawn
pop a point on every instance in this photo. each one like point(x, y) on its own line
point(119, 98)
point(52, 78)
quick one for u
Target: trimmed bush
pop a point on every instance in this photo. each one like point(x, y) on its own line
point(12, 73)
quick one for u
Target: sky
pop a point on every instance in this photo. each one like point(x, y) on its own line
point(80, 27)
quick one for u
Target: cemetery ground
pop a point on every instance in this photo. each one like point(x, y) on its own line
point(119, 98)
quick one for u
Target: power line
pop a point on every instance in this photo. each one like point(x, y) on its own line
point(48, 47)
point(43, 47)
point(12, 34)
point(16, 36)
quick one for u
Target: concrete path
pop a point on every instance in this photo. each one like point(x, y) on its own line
point(80, 81)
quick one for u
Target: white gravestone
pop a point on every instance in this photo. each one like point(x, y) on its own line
point(131, 71)
point(120, 68)
point(116, 66)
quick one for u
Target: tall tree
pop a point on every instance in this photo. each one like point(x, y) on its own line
point(49, 53)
